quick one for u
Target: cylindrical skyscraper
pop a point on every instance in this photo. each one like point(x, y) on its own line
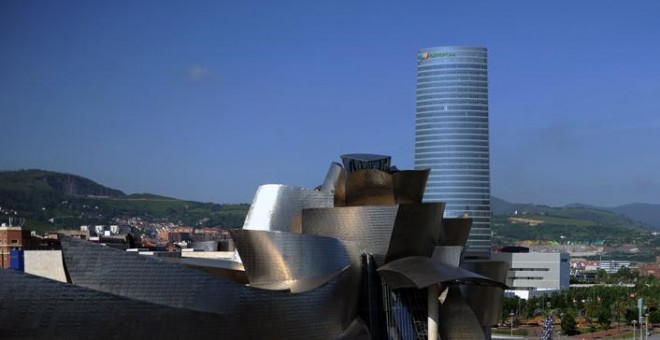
point(451, 134)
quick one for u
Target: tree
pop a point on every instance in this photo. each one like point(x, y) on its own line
point(568, 324)
point(619, 309)
point(654, 316)
point(509, 305)
point(631, 314)
point(604, 318)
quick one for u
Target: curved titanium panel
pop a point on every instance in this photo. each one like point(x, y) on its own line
point(33, 307)
point(486, 302)
point(456, 320)
point(376, 187)
point(279, 207)
point(369, 187)
point(416, 230)
point(332, 178)
point(231, 270)
point(321, 313)
point(335, 183)
point(370, 227)
point(420, 272)
point(454, 231)
point(301, 285)
point(409, 185)
point(385, 231)
point(357, 330)
point(279, 256)
point(450, 255)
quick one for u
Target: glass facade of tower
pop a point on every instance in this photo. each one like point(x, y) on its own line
point(451, 134)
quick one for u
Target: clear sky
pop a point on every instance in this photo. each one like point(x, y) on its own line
point(206, 100)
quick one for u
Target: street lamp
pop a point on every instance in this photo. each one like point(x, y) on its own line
point(634, 323)
point(646, 329)
point(511, 315)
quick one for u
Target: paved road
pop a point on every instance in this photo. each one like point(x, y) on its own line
point(654, 336)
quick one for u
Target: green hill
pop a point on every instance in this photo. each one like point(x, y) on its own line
point(574, 224)
point(44, 199)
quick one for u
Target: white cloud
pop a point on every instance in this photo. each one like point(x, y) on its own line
point(199, 72)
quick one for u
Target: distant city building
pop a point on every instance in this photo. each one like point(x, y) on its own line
point(81, 234)
point(613, 266)
point(13, 240)
point(650, 269)
point(582, 269)
point(99, 229)
point(451, 135)
point(532, 274)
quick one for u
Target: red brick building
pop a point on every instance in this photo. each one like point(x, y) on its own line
point(652, 269)
point(12, 238)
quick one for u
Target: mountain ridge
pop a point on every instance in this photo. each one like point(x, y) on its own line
point(44, 200)
point(646, 213)
point(43, 195)
point(58, 182)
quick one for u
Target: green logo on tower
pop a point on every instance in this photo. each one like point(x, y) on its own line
point(431, 55)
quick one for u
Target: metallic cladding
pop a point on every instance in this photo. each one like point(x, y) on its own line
point(279, 207)
point(370, 227)
point(33, 307)
point(357, 330)
point(409, 185)
point(451, 134)
point(230, 270)
point(456, 320)
point(391, 231)
point(335, 184)
point(485, 301)
point(416, 230)
point(450, 255)
point(376, 187)
point(300, 285)
point(280, 256)
point(420, 272)
point(455, 232)
point(369, 187)
point(321, 313)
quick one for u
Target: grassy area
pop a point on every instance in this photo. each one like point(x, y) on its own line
point(575, 225)
point(559, 220)
point(507, 331)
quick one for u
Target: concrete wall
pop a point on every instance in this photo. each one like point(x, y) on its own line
point(224, 255)
point(45, 263)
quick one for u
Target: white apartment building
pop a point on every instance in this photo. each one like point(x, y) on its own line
point(533, 274)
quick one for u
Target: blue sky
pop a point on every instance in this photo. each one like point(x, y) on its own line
point(206, 100)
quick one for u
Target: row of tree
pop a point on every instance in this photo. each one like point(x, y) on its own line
point(595, 307)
